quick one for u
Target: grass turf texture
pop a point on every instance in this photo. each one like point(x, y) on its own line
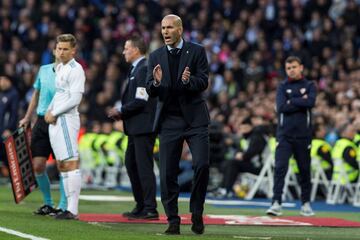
point(19, 217)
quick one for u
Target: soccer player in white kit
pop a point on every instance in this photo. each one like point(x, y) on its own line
point(64, 120)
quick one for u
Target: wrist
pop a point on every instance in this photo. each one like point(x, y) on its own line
point(53, 113)
point(185, 82)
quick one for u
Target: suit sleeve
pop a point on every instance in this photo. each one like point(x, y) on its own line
point(152, 90)
point(282, 105)
point(141, 97)
point(199, 81)
point(256, 146)
point(308, 102)
point(325, 154)
point(349, 156)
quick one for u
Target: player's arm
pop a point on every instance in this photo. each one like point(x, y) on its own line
point(32, 105)
point(73, 100)
point(77, 82)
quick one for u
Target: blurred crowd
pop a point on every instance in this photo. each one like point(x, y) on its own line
point(246, 42)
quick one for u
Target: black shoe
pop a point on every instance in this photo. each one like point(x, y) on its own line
point(198, 224)
point(56, 212)
point(45, 210)
point(66, 215)
point(134, 212)
point(173, 229)
point(145, 216)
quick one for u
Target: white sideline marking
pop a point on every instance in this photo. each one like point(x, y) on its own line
point(20, 234)
point(113, 198)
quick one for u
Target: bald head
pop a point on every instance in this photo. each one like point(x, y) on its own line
point(175, 18)
point(171, 30)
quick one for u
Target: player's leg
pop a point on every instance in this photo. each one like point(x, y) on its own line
point(63, 137)
point(72, 185)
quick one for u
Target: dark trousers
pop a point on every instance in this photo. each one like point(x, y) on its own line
point(173, 132)
point(139, 164)
point(300, 148)
point(231, 170)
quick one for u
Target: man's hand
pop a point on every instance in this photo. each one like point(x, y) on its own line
point(157, 74)
point(305, 96)
point(24, 122)
point(186, 75)
point(114, 114)
point(49, 118)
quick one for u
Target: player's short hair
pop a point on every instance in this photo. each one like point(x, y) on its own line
point(291, 59)
point(66, 38)
point(138, 42)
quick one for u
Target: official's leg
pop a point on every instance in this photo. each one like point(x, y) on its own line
point(302, 156)
point(132, 171)
point(144, 147)
point(41, 149)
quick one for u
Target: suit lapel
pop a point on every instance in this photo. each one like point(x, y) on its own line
point(183, 59)
point(165, 66)
point(131, 77)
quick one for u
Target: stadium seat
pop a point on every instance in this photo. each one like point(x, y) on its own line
point(318, 178)
point(265, 179)
point(340, 189)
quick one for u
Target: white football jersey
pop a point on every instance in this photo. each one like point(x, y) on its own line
point(70, 78)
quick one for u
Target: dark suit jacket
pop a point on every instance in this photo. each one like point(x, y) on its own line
point(192, 103)
point(137, 112)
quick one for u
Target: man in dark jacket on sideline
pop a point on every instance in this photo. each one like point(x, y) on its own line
point(294, 100)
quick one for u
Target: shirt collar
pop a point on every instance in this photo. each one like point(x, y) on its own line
point(180, 45)
point(137, 61)
point(70, 61)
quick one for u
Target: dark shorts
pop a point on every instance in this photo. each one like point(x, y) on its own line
point(40, 142)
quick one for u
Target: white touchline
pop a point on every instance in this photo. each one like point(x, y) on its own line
point(20, 234)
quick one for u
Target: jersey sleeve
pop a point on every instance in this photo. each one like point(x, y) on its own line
point(77, 80)
point(37, 83)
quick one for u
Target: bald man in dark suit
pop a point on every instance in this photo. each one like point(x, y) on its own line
point(178, 75)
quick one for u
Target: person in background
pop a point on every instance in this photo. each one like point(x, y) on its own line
point(9, 104)
point(295, 98)
point(322, 150)
point(137, 111)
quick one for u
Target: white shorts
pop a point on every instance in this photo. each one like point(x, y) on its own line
point(63, 137)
